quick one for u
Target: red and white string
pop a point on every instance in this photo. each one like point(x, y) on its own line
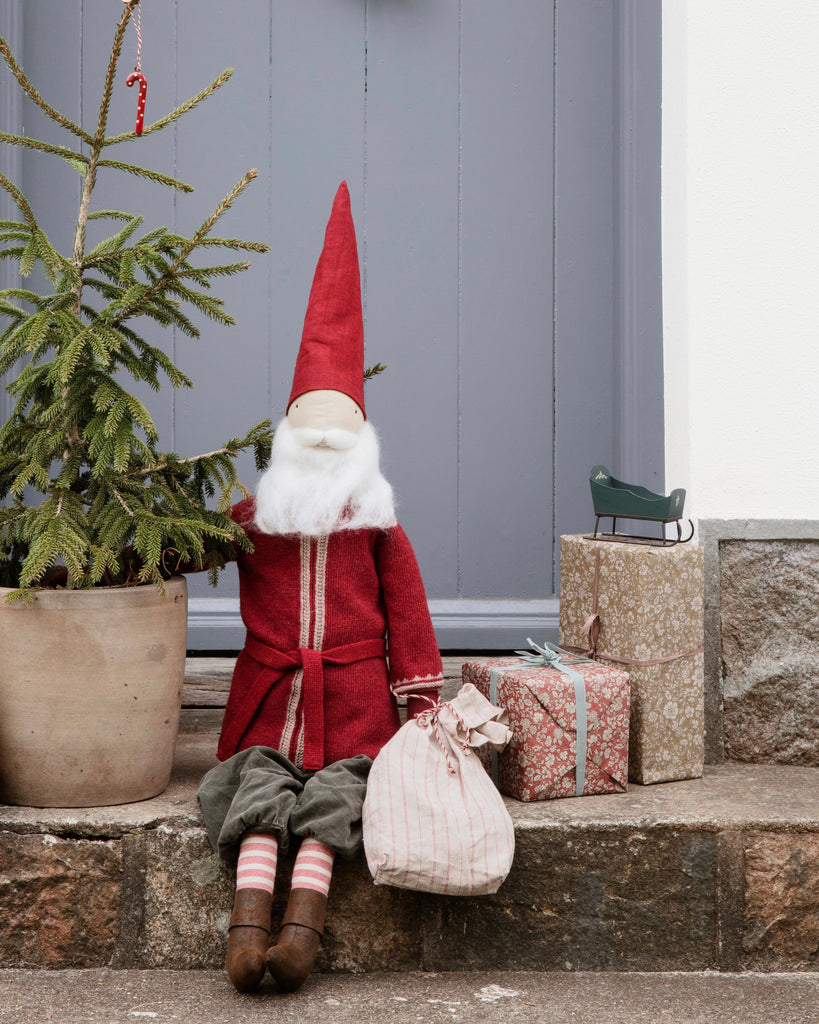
point(137, 20)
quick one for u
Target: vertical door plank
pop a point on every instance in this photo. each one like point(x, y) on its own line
point(584, 256)
point(410, 242)
point(505, 388)
point(217, 144)
point(315, 125)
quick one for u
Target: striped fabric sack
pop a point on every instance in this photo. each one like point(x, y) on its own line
point(433, 820)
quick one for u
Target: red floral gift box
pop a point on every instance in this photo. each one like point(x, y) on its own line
point(570, 722)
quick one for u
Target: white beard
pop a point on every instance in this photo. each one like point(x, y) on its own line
point(316, 490)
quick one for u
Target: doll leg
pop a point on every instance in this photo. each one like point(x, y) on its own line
point(249, 931)
point(291, 959)
point(246, 802)
point(327, 817)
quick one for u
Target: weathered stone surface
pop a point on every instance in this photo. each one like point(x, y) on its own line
point(598, 899)
point(769, 595)
point(772, 711)
point(60, 901)
point(177, 901)
point(588, 899)
point(370, 928)
point(769, 599)
point(781, 902)
point(178, 898)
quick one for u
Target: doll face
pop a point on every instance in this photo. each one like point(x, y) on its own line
point(325, 410)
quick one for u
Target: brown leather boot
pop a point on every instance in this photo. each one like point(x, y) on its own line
point(291, 960)
point(248, 938)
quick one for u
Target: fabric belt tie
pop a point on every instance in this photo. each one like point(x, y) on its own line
point(591, 629)
point(312, 662)
point(550, 656)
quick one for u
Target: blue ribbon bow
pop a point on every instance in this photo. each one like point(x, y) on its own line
point(551, 656)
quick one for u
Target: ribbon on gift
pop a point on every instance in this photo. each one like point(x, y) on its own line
point(551, 656)
point(591, 629)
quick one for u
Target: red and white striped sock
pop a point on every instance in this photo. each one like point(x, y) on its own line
point(314, 867)
point(258, 856)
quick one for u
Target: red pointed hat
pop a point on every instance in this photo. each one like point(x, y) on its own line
point(332, 342)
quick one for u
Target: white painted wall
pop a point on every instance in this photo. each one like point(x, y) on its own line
point(741, 255)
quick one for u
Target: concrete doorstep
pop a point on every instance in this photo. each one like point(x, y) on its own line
point(493, 997)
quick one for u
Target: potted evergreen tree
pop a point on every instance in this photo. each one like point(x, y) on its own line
point(94, 517)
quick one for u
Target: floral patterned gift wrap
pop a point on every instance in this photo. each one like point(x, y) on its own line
point(541, 760)
point(640, 608)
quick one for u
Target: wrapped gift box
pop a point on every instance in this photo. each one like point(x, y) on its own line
point(540, 761)
point(648, 603)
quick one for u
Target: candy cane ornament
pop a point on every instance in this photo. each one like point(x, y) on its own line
point(137, 75)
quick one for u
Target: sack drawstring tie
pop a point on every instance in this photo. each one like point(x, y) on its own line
point(430, 717)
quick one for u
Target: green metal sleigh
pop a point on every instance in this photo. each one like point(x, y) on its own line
point(614, 499)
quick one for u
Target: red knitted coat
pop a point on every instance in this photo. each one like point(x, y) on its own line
point(314, 680)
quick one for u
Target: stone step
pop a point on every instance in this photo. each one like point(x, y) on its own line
point(715, 873)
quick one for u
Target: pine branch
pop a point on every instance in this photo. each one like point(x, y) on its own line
point(24, 141)
point(112, 214)
point(22, 234)
point(116, 49)
point(231, 448)
point(167, 313)
point(15, 253)
point(373, 371)
point(29, 89)
point(24, 337)
point(25, 295)
point(115, 242)
point(201, 274)
point(144, 172)
point(217, 83)
point(20, 201)
point(158, 358)
point(234, 243)
point(191, 244)
point(53, 263)
point(220, 211)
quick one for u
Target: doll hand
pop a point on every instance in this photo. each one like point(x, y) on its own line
point(416, 705)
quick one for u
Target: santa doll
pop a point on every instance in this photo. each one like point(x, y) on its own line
point(338, 628)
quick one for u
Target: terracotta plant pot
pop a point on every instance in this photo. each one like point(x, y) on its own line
point(90, 694)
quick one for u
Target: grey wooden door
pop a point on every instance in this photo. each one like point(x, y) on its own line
point(503, 161)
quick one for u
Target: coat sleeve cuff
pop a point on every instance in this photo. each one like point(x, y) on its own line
point(418, 684)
